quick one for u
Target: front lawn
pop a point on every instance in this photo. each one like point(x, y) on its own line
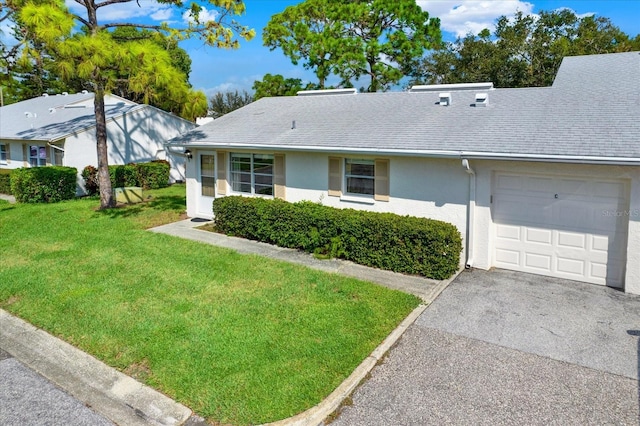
point(239, 339)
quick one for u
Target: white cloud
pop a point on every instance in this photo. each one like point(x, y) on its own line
point(162, 14)
point(463, 16)
point(125, 11)
point(205, 15)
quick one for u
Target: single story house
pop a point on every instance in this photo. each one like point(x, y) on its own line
point(540, 180)
point(60, 130)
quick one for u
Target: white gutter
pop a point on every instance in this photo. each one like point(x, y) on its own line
point(477, 155)
point(470, 212)
point(169, 148)
point(55, 146)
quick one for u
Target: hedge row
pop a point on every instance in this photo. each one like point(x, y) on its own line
point(43, 184)
point(404, 244)
point(5, 181)
point(151, 175)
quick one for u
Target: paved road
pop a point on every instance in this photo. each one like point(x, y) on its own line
point(505, 348)
point(26, 398)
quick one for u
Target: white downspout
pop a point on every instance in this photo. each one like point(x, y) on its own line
point(470, 212)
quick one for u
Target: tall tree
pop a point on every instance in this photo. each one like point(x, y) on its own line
point(276, 85)
point(84, 48)
point(523, 51)
point(224, 102)
point(376, 39)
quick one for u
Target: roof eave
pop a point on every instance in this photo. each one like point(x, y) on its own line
point(553, 158)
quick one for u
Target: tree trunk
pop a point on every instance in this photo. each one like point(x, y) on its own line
point(106, 194)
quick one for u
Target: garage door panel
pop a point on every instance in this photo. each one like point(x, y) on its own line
point(572, 240)
point(561, 227)
point(539, 236)
point(538, 261)
point(570, 266)
point(508, 257)
point(508, 232)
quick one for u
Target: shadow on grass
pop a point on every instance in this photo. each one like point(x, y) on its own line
point(169, 203)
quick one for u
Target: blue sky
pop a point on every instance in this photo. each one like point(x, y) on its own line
point(220, 70)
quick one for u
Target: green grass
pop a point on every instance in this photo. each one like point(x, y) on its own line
point(239, 339)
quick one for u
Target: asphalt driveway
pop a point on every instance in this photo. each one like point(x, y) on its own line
point(500, 347)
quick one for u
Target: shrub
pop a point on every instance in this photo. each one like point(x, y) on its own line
point(44, 184)
point(5, 181)
point(153, 175)
point(123, 175)
point(90, 176)
point(404, 244)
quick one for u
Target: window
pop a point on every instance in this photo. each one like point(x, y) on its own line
point(359, 177)
point(3, 153)
point(37, 156)
point(364, 179)
point(207, 175)
point(57, 156)
point(252, 173)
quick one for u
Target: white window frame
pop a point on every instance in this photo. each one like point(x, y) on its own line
point(348, 176)
point(39, 162)
point(252, 173)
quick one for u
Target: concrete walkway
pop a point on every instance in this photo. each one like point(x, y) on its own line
point(10, 198)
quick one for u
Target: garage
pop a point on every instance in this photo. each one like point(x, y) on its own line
point(561, 226)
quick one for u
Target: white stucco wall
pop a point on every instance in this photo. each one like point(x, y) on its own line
point(436, 189)
point(138, 136)
point(439, 189)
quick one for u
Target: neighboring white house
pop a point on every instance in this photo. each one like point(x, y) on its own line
point(60, 130)
point(540, 180)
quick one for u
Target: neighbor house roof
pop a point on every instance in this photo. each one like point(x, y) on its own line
point(50, 118)
point(591, 112)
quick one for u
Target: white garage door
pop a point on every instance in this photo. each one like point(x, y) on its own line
point(561, 227)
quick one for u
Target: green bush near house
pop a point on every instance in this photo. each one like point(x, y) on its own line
point(123, 175)
point(5, 181)
point(406, 244)
point(44, 184)
point(151, 175)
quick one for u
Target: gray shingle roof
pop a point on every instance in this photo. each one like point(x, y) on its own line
point(49, 118)
point(592, 110)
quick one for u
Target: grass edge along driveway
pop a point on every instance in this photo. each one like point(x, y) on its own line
point(239, 339)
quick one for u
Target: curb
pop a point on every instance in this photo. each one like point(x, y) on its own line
point(316, 415)
point(107, 391)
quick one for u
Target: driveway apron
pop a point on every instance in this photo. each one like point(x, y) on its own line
point(500, 347)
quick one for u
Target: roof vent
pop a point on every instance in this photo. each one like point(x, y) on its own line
point(52, 110)
point(84, 92)
point(28, 114)
point(456, 86)
point(445, 99)
point(44, 95)
point(482, 99)
point(350, 91)
point(65, 93)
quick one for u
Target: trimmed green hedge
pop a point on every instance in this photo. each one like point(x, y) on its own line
point(5, 181)
point(406, 244)
point(151, 175)
point(154, 175)
point(43, 184)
